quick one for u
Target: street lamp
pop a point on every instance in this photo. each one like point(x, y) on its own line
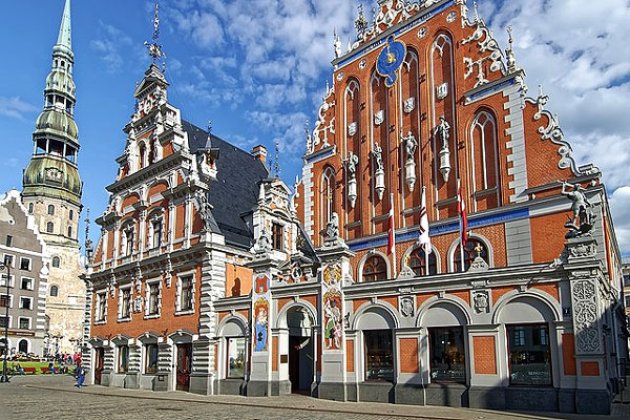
point(5, 377)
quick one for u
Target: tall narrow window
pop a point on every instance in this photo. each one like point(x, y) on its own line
point(101, 305)
point(56, 262)
point(50, 227)
point(9, 241)
point(127, 240)
point(30, 208)
point(277, 236)
point(448, 360)
point(186, 293)
point(5, 301)
point(125, 304)
point(156, 233)
point(154, 299)
point(236, 357)
point(51, 210)
point(69, 231)
point(71, 214)
point(529, 354)
point(328, 195)
point(484, 161)
point(54, 291)
point(123, 358)
point(374, 269)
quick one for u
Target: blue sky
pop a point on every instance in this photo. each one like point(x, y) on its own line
point(258, 68)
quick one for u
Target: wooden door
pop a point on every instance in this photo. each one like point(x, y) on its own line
point(99, 362)
point(184, 365)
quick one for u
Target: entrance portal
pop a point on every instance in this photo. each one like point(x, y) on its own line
point(184, 359)
point(301, 350)
point(99, 363)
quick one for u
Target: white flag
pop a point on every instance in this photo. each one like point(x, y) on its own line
point(424, 240)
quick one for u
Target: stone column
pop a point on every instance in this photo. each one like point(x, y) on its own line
point(587, 284)
point(333, 274)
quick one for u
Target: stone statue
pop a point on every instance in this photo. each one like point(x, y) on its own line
point(410, 145)
point(582, 221)
point(443, 132)
point(264, 241)
point(332, 228)
point(378, 158)
point(205, 209)
point(351, 165)
point(337, 45)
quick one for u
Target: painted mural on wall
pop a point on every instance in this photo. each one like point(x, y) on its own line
point(260, 310)
point(332, 307)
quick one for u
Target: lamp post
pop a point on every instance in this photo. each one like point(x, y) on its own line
point(5, 377)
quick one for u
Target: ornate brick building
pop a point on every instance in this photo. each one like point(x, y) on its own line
point(426, 116)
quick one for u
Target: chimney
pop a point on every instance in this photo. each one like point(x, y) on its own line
point(260, 153)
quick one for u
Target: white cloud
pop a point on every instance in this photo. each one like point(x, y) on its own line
point(15, 107)
point(620, 208)
point(110, 46)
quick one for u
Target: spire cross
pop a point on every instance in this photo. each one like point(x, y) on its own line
point(276, 163)
point(509, 31)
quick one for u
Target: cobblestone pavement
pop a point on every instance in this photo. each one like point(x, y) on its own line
point(54, 397)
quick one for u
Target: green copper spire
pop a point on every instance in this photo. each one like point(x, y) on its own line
point(65, 30)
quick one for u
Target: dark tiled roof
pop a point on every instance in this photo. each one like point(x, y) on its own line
point(236, 189)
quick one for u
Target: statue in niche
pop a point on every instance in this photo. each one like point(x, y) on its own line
point(582, 221)
point(204, 208)
point(264, 241)
point(443, 132)
point(378, 158)
point(411, 144)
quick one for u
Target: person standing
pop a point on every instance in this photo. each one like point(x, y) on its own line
point(80, 376)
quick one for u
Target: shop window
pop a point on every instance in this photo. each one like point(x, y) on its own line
point(379, 355)
point(529, 354)
point(448, 357)
point(151, 358)
point(374, 269)
point(123, 358)
point(473, 248)
point(418, 262)
point(235, 357)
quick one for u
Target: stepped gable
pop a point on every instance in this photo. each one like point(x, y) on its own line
point(235, 190)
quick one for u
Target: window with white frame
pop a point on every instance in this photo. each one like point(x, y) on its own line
point(156, 227)
point(5, 322)
point(151, 358)
point(185, 293)
point(123, 358)
point(27, 283)
point(4, 278)
point(9, 260)
point(153, 299)
point(101, 306)
point(5, 300)
point(125, 303)
point(235, 357)
point(127, 236)
point(26, 303)
point(25, 264)
point(24, 323)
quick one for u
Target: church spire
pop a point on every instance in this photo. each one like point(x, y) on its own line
point(65, 30)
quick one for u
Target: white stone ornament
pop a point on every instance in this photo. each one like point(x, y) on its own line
point(352, 129)
point(379, 173)
point(442, 91)
point(379, 117)
point(409, 105)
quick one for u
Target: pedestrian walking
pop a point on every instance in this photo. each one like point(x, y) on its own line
point(80, 376)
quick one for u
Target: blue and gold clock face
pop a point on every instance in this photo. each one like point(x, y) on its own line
point(390, 59)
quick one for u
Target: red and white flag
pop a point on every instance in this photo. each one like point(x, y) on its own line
point(424, 240)
point(391, 236)
point(463, 218)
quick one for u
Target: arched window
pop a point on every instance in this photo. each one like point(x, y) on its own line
point(473, 248)
point(374, 269)
point(417, 262)
point(71, 214)
point(484, 160)
point(30, 208)
point(143, 152)
point(50, 227)
point(51, 210)
point(327, 195)
point(54, 291)
point(69, 231)
point(56, 262)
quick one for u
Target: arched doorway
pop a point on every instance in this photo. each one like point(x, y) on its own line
point(23, 346)
point(301, 349)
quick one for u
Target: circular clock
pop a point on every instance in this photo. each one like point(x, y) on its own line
point(390, 59)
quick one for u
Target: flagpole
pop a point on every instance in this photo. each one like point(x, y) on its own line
point(461, 225)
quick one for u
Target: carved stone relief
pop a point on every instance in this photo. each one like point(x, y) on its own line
point(584, 300)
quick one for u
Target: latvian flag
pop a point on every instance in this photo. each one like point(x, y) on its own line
point(463, 219)
point(391, 239)
point(424, 240)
